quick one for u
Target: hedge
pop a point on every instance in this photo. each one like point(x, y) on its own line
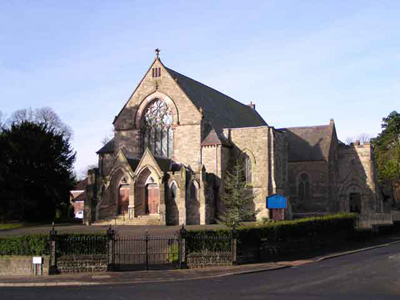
point(322, 228)
point(25, 245)
point(38, 244)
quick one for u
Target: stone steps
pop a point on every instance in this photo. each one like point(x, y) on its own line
point(121, 220)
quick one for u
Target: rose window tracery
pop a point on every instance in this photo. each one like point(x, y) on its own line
point(157, 133)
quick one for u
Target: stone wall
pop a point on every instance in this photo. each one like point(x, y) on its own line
point(82, 263)
point(319, 186)
point(357, 174)
point(205, 260)
point(254, 142)
point(20, 265)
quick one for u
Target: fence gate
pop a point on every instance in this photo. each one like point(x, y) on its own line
point(146, 252)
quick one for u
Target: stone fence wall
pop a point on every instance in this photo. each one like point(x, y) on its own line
point(21, 265)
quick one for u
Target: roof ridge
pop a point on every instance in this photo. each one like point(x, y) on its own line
point(311, 126)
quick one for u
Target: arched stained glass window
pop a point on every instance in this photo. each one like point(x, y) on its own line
point(157, 133)
point(304, 187)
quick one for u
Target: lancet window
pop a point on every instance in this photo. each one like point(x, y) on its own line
point(157, 133)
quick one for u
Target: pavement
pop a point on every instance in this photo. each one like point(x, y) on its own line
point(133, 277)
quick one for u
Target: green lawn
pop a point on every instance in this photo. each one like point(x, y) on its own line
point(7, 226)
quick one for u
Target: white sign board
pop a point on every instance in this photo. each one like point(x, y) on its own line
point(37, 260)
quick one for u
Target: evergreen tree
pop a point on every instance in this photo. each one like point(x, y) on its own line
point(387, 149)
point(238, 198)
point(36, 173)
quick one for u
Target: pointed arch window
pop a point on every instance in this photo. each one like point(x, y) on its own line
point(157, 133)
point(304, 193)
point(247, 165)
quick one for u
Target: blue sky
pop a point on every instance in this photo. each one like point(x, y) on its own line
point(301, 62)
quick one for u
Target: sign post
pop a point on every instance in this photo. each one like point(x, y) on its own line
point(37, 262)
point(277, 205)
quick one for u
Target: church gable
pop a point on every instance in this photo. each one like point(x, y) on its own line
point(157, 84)
point(309, 143)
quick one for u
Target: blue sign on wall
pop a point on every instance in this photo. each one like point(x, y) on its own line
point(276, 201)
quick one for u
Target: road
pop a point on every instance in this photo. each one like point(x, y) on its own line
point(373, 274)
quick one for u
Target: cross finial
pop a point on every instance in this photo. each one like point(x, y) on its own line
point(157, 52)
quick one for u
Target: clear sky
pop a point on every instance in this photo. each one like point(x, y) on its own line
point(301, 62)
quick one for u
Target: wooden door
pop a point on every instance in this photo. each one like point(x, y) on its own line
point(123, 201)
point(153, 198)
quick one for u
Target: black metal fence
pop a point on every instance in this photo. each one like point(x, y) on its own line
point(140, 252)
point(146, 252)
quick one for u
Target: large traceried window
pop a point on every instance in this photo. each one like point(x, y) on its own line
point(157, 133)
point(304, 188)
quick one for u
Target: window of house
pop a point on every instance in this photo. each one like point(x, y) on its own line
point(157, 133)
point(304, 193)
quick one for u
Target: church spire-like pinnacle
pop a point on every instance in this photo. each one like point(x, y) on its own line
point(157, 53)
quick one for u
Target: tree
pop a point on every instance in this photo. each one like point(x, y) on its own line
point(2, 120)
point(45, 116)
point(387, 148)
point(35, 171)
point(238, 198)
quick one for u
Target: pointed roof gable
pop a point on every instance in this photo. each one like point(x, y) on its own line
point(213, 139)
point(159, 164)
point(309, 143)
point(221, 110)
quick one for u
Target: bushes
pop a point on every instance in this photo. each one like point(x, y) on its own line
point(67, 244)
point(322, 228)
point(25, 245)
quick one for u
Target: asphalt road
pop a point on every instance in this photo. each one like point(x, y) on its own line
point(373, 274)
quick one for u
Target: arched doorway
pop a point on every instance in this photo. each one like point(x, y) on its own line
point(123, 199)
point(122, 195)
point(147, 198)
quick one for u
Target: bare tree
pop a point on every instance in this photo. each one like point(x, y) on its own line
point(44, 115)
point(2, 119)
point(349, 140)
point(364, 138)
point(47, 116)
point(22, 115)
point(83, 173)
point(108, 137)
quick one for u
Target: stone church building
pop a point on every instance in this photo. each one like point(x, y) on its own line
point(175, 138)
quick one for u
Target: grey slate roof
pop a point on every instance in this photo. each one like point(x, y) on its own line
point(107, 148)
point(165, 164)
point(219, 109)
point(133, 162)
point(213, 138)
point(308, 143)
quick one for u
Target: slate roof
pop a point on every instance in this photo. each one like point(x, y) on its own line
point(165, 164)
point(214, 139)
point(107, 148)
point(133, 162)
point(308, 143)
point(81, 185)
point(219, 109)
